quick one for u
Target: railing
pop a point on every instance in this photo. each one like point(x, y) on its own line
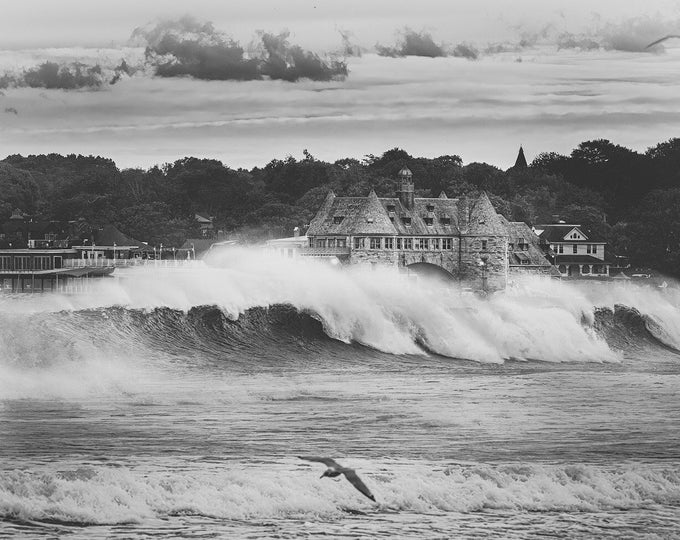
point(126, 263)
point(324, 251)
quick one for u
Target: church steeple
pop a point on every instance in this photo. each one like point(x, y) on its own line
point(521, 161)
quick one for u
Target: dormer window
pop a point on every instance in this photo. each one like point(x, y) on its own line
point(338, 219)
point(428, 221)
point(445, 220)
point(430, 207)
point(391, 208)
point(406, 220)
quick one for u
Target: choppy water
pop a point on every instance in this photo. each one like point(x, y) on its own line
point(174, 403)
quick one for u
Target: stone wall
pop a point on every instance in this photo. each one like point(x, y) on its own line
point(462, 261)
point(495, 258)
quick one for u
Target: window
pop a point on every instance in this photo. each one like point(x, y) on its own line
point(341, 242)
point(331, 242)
point(358, 242)
point(375, 243)
point(594, 248)
point(445, 220)
point(511, 246)
point(389, 243)
point(430, 207)
point(321, 242)
point(447, 243)
point(22, 263)
point(425, 243)
point(41, 263)
point(406, 221)
point(434, 243)
point(416, 243)
point(588, 248)
point(484, 244)
point(575, 248)
point(398, 243)
point(338, 219)
point(5, 263)
point(560, 248)
point(408, 243)
point(390, 208)
point(428, 221)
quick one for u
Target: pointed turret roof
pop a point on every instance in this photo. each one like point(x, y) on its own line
point(482, 218)
point(521, 161)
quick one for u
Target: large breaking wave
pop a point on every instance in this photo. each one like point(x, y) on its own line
point(252, 308)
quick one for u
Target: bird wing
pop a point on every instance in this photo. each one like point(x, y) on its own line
point(662, 39)
point(351, 475)
point(328, 462)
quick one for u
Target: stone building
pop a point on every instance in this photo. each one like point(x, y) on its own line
point(525, 253)
point(461, 238)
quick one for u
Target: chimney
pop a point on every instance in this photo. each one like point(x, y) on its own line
point(296, 232)
point(406, 188)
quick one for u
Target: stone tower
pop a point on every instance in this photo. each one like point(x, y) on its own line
point(406, 188)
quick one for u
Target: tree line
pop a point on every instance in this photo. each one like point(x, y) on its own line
point(630, 198)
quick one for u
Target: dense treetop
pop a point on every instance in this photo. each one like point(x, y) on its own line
point(631, 198)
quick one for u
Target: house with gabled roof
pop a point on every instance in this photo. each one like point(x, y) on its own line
point(465, 239)
point(575, 251)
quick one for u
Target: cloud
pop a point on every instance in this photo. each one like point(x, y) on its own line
point(187, 47)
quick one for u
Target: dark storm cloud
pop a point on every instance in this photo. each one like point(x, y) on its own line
point(189, 47)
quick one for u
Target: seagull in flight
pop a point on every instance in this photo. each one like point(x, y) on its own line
point(670, 36)
point(335, 469)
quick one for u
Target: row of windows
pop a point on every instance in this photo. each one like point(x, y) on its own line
point(24, 263)
point(590, 248)
point(328, 242)
point(425, 244)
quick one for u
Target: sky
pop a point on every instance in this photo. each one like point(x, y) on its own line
point(542, 96)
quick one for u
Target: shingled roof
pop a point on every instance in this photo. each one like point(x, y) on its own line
point(556, 232)
point(439, 216)
point(351, 215)
point(532, 255)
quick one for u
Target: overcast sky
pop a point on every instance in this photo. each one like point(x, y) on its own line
point(544, 98)
point(29, 23)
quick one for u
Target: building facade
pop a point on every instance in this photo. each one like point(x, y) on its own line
point(574, 251)
point(460, 238)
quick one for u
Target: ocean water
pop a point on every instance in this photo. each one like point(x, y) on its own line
point(174, 403)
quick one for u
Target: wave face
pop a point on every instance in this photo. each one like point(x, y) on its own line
point(267, 307)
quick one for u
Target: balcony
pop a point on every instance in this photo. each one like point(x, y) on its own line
point(325, 252)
